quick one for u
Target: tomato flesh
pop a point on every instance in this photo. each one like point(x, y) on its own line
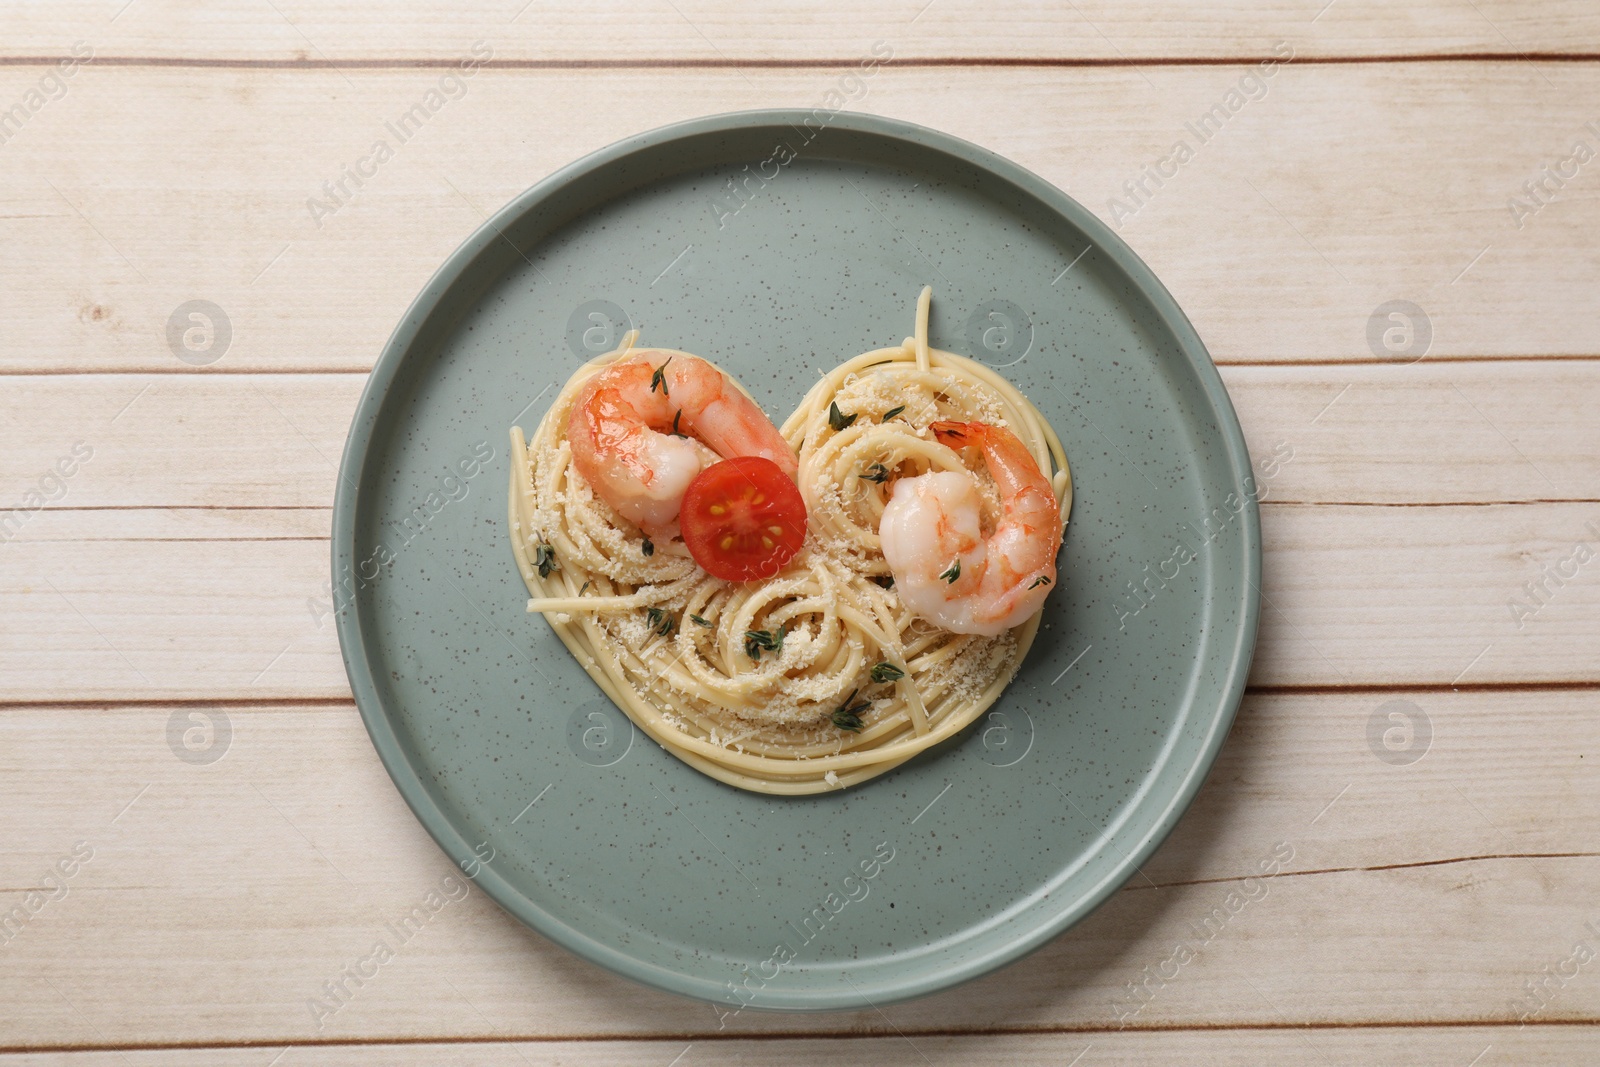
point(743, 519)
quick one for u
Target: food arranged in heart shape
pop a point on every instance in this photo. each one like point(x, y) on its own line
point(792, 611)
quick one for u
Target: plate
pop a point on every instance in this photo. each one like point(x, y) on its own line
point(779, 243)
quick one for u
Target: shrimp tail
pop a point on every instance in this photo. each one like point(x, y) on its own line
point(1010, 463)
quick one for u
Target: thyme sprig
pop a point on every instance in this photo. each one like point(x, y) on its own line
point(758, 641)
point(847, 716)
point(886, 672)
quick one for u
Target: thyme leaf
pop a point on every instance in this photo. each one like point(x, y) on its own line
point(758, 641)
point(886, 672)
point(544, 557)
point(952, 572)
point(659, 378)
point(838, 419)
point(847, 716)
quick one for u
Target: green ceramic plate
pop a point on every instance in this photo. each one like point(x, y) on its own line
point(778, 243)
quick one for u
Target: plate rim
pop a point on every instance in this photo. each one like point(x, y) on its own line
point(409, 783)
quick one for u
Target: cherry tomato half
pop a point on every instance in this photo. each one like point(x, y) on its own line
point(743, 519)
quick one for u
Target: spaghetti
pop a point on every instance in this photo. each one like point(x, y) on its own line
point(818, 678)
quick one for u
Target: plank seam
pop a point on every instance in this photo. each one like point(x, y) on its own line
point(1265, 503)
point(266, 703)
point(803, 1035)
point(1359, 361)
point(156, 540)
point(824, 63)
point(190, 507)
point(1426, 503)
point(1326, 689)
point(1132, 888)
point(273, 703)
point(23, 371)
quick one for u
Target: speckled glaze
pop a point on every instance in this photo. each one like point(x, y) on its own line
point(968, 856)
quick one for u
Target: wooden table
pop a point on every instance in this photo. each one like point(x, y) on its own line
point(1419, 743)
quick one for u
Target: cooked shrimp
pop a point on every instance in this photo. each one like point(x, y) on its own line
point(944, 569)
point(630, 428)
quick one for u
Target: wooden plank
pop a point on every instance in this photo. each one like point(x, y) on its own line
point(1286, 232)
point(236, 889)
point(79, 526)
point(1424, 434)
point(1454, 1046)
point(186, 441)
point(1354, 596)
point(1427, 595)
point(800, 30)
point(144, 619)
